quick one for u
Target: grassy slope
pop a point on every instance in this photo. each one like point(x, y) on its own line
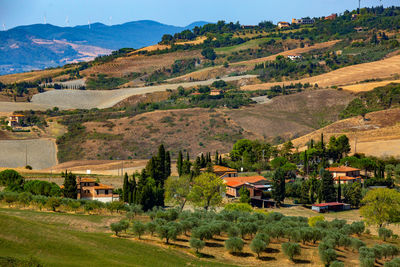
point(55, 245)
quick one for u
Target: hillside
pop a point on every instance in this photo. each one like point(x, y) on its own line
point(386, 68)
point(40, 46)
point(377, 135)
point(286, 117)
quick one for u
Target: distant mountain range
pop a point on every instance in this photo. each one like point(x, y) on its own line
point(40, 46)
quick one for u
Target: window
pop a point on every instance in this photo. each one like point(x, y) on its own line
point(106, 192)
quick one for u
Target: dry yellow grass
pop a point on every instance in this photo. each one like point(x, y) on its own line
point(385, 68)
point(379, 135)
point(30, 76)
point(364, 87)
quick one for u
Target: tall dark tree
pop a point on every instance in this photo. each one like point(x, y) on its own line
point(161, 164)
point(216, 158)
point(132, 190)
point(328, 192)
point(339, 192)
point(167, 164)
point(278, 186)
point(70, 186)
point(179, 163)
point(126, 190)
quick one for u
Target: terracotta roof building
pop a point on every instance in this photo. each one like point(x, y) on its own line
point(255, 184)
point(343, 171)
point(222, 171)
point(88, 188)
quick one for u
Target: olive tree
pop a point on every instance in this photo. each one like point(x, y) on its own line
point(291, 250)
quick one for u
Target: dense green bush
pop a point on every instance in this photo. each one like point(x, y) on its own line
point(38, 187)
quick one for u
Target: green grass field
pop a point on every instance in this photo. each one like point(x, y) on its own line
point(55, 240)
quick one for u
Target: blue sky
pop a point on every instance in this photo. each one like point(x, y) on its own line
point(175, 12)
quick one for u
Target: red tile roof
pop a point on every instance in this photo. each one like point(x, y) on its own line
point(342, 169)
point(234, 184)
point(217, 168)
point(243, 180)
point(328, 204)
point(103, 186)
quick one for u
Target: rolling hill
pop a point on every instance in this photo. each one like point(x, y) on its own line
point(377, 135)
point(39, 46)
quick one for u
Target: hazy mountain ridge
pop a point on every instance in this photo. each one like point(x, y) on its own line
point(39, 46)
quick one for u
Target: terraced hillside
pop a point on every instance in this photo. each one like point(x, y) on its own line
point(377, 135)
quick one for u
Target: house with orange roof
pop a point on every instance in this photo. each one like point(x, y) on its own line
point(343, 171)
point(283, 24)
point(215, 92)
point(89, 188)
point(255, 184)
point(222, 171)
point(15, 120)
point(345, 174)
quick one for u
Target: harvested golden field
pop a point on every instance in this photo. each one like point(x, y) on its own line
point(378, 135)
point(194, 130)
point(364, 87)
point(242, 66)
point(385, 68)
point(139, 63)
point(292, 115)
point(30, 76)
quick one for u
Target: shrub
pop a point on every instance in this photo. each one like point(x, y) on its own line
point(25, 198)
point(233, 231)
point(312, 221)
point(38, 187)
point(167, 231)
point(151, 227)
point(393, 263)
point(327, 256)
point(242, 207)
point(234, 244)
point(291, 250)
point(367, 257)
point(138, 228)
point(385, 233)
point(196, 244)
point(257, 246)
point(358, 228)
point(337, 264)
point(53, 203)
point(11, 179)
point(356, 244)
point(117, 228)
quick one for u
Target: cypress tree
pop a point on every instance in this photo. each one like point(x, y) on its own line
point(220, 160)
point(179, 163)
point(126, 189)
point(203, 162)
point(167, 165)
point(132, 191)
point(216, 158)
point(328, 192)
point(339, 192)
point(161, 165)
point(305, 162)
point(278, 186)
point(70, 186)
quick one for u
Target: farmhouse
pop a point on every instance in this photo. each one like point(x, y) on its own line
point(331, 206)
point(15, 120)
point(283, 24)
point(222, 171)
point(255, 184)
point(331, 17)
point(294, 57)
point(344, 171)
point(303, 21)
point(215, 92)
point(90, 189)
